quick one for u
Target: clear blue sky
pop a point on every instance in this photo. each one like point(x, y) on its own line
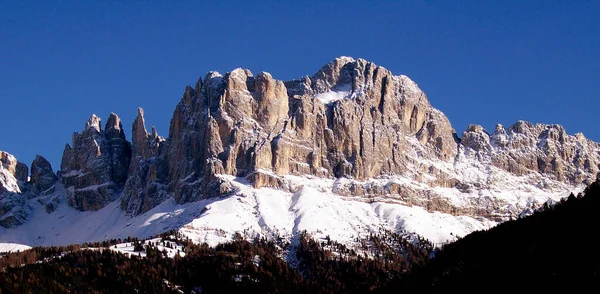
point(482, 62)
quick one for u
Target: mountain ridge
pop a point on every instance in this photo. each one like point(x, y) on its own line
point(374, 136)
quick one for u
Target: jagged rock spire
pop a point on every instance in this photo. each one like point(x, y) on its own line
point(96, 166)
point(13, 186)
point(14, 173)
point(93, 123)
point(42, 175)
point(114, 128)
point(144, 188)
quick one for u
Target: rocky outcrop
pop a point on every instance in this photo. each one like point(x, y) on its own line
point(476, 139)
point(15, 190)
point(8, 181)
point(144, 145)
point(118, 148)
point(13, 177)
point(14, 174)
point(94, 169)
point(526, 148)
point(13, 209)
point(42, 175)
point(146, 185)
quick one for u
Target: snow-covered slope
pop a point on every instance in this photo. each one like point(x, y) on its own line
point(312, 206)
point(12, 247)
point(250, 212)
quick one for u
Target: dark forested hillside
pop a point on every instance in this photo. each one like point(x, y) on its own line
point(335, 268)
point(252, 267)
point(555, 248)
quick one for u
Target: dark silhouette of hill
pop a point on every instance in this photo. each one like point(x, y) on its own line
point(553, 249)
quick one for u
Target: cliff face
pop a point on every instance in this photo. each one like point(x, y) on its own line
point(13, 173)
point(146, 185)
point(255, 126)
point(94, 169)
point(526, 148)
point(12, 176)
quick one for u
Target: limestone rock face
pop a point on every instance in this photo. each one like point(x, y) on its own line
point(42, 175)
point(21, 172)
point(476, 138)
point(13, 175)
point(16, 191)
point(95, 167)
point(146, 184)
point(529, 149)
point(144, 144)
point(258, 127)
point(119, 149)
point(16, 170)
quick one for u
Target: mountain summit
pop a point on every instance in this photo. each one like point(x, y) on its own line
point(351, 131)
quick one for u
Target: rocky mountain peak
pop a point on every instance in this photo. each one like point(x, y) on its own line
point(145, 186)
point(499, 129)
point(521, 127)
point(349, 119)
point(16, 168)
point(13, 173)
point(113, 128)
point(500, 137)
point(93, 123)
point(346, 74)
point(96, 166)
point(139, 134)
point(144, 145)
point(42, 175)
point(476, 138)
point(13, 185)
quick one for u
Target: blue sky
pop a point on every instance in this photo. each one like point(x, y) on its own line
point(482, 62)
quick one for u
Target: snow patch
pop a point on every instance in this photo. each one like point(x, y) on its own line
point(336, 93)
point(127, 248)
point(331, 96)
point(12, 247)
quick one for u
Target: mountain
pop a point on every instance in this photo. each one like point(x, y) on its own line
point(344, 152)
